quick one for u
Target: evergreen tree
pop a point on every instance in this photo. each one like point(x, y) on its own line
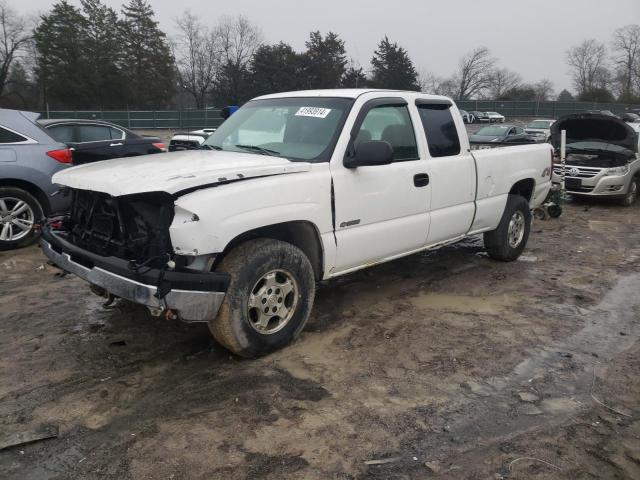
point(565, 96)
point(392, 67)
point(147, 62)
point(62, 61)
point(354, 77)
point(276, 68)
point(102, 45)
point(325, 60)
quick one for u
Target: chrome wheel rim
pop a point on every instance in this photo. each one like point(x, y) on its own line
point(515, 233)
point(273, 301)
point(16, 219)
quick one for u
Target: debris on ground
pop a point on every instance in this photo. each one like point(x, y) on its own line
point(382, 461)
point(528, 397)
point(43, 432)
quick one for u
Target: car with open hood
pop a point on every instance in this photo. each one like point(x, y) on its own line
point(601, 156)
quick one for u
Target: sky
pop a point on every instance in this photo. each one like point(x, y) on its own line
point(530, 38)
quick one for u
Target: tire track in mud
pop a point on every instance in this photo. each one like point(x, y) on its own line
point(560, 376)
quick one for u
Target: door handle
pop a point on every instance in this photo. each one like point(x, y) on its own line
point(116, 144)
point(421, 179)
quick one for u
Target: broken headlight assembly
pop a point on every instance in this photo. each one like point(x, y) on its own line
point(617, 171)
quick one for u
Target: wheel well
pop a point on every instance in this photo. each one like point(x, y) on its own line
point(29, 187)
point(524, 188)
point(302, 234)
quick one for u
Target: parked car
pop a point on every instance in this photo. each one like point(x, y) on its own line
point(601, 156)
point(630, 117)
point(293, 188)
point(499, 135)
point(480, 117)
point(29, 157)
point(93, 140)
point(189, 140)
point(540, 128)
point(601, 112)
point(466, 116)
point(495, 117)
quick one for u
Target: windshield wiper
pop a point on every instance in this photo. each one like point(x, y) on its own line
point(209, 147)
point(262, 150)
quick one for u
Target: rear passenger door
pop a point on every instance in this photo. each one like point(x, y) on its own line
point(95, 142)
point(452, 171)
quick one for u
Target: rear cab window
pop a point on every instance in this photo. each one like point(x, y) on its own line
point(439, 128)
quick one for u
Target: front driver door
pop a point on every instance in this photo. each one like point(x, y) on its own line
point(381, 211)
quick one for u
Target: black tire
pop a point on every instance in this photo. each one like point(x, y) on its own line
point(498, 243)
point(8, 197)
point(236, 327)
point(554, 211)
point(632, 194)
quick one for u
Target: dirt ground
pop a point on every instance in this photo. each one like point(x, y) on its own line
point(440, 365)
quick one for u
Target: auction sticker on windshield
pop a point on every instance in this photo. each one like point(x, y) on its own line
point(313, 112)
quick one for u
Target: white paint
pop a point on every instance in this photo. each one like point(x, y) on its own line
point(383, 215)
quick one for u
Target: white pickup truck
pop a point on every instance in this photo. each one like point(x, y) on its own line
point(292, 189)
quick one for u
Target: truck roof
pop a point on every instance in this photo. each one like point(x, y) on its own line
point(346, 93)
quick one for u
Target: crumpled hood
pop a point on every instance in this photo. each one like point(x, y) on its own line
point(582, 127)
point(173, 172)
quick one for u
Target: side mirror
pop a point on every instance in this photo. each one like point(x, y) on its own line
point(371, 153)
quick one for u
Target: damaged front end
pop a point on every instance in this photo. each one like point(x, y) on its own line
point(601, 154)
point(122, 247)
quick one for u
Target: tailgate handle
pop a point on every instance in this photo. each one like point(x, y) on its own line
point(421, 179)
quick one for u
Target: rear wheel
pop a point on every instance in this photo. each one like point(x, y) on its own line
point(507, 242)
point(269, 298)
point(19, 214)
point(632, 194)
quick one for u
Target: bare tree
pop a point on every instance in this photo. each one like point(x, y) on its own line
point(198, 55)
point(543, 89)
point(474, 73)
point(501, 81)
point(587, 63)
point(14, 39)
point(626, 44)
point(239, 39)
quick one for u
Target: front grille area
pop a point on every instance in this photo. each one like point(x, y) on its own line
point(583, 172)
point(132, 227)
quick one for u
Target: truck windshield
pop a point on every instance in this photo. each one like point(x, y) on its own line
point(302, 129)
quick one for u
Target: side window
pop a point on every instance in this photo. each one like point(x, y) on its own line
point(93, 133)
point(519, 130)
point(390, 123)
point(62, 133)
point(7, 136)
point(440, 130)
point(116, 134)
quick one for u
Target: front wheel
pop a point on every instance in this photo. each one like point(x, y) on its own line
point(19, 214)
point(507, 242)
point(632, 194)
point(269, 298)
